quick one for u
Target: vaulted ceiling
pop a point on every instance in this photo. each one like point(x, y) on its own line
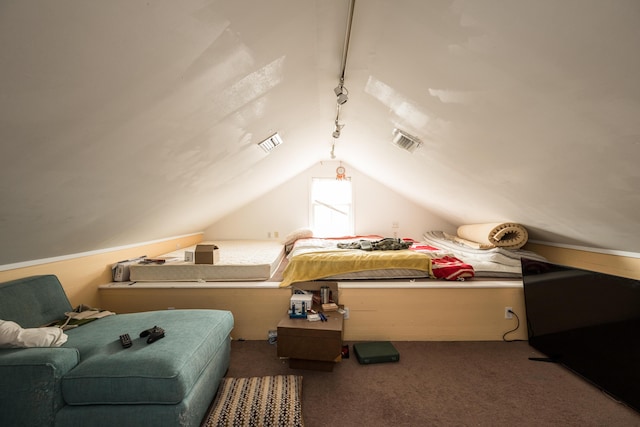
point(128, 121)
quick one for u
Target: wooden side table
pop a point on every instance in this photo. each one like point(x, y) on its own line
point(311, 345)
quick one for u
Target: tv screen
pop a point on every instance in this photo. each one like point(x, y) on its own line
point(587, 321)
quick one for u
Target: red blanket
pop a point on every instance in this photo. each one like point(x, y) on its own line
point(445, 267)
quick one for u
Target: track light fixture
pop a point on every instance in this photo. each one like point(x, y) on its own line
point(338, 129)
point(342, 93)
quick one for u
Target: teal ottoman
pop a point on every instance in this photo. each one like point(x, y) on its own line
point(162, 373)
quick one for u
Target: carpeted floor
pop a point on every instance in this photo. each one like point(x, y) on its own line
point(442, 384)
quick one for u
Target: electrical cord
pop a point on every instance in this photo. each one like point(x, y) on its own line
point(504, 336)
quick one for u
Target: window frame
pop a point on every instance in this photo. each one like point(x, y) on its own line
point(350, 223)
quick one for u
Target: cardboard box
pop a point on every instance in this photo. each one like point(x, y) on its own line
point(311, 345)
point(207, 254)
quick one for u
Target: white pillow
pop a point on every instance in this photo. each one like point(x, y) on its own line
point(301, 233)
point(13, 335)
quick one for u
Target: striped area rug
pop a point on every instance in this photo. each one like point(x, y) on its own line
point(274, 401)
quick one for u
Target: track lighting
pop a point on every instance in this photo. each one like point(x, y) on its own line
point(338, 129)
point(342, 93)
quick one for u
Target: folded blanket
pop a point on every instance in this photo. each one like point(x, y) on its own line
point(79, 316)
point(506, 235)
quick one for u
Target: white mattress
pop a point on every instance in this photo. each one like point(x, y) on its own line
point(240, 260)
point(494, 262)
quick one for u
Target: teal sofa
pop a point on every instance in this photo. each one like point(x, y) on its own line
point(91, 380)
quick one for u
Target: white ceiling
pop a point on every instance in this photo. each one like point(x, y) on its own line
point(126, 121)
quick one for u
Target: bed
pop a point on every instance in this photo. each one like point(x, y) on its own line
point(381, 300)
point(239, 260)
point(341, 259)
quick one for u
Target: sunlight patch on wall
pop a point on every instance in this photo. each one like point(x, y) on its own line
point(397, 103)
point(223, 60)
point(250, 88)
point(408, 113)
point(450, 96)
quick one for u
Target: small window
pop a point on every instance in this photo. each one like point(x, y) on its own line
point(331, 207)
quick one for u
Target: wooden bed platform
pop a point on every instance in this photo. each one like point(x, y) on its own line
point(400, 310)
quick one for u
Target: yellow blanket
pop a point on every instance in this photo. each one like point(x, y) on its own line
point(319, 265)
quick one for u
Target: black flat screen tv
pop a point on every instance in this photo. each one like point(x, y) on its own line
point(587, 321)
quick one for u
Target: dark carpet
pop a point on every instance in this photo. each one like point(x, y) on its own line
point(442, 384)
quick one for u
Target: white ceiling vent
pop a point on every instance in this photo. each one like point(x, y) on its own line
point(405, 141)
point(270, 143)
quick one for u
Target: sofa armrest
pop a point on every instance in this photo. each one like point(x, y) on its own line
point(30, 389)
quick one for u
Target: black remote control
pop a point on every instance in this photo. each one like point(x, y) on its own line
point(125, 340)
point(152, 334)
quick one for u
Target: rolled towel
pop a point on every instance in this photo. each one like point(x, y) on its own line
point(506, 235)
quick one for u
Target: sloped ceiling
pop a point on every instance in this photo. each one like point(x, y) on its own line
point(129, 121)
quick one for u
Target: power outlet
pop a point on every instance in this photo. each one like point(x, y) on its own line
point(345, 315)
point(507, 313)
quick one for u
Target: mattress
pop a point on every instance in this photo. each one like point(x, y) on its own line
point(389, 273)
point(494, 262)
point(240, 260)
point(506, 235)
point(321, 259)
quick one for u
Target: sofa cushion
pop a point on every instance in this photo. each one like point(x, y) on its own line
point(159, 373)
point(33, 301)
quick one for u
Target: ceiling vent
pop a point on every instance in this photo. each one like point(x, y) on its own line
point(405, 141)
point(270, 143)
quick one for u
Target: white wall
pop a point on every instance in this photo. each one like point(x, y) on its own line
point(286, 208)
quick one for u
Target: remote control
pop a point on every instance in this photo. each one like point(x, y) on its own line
point(152, 334)
point(125, 340)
